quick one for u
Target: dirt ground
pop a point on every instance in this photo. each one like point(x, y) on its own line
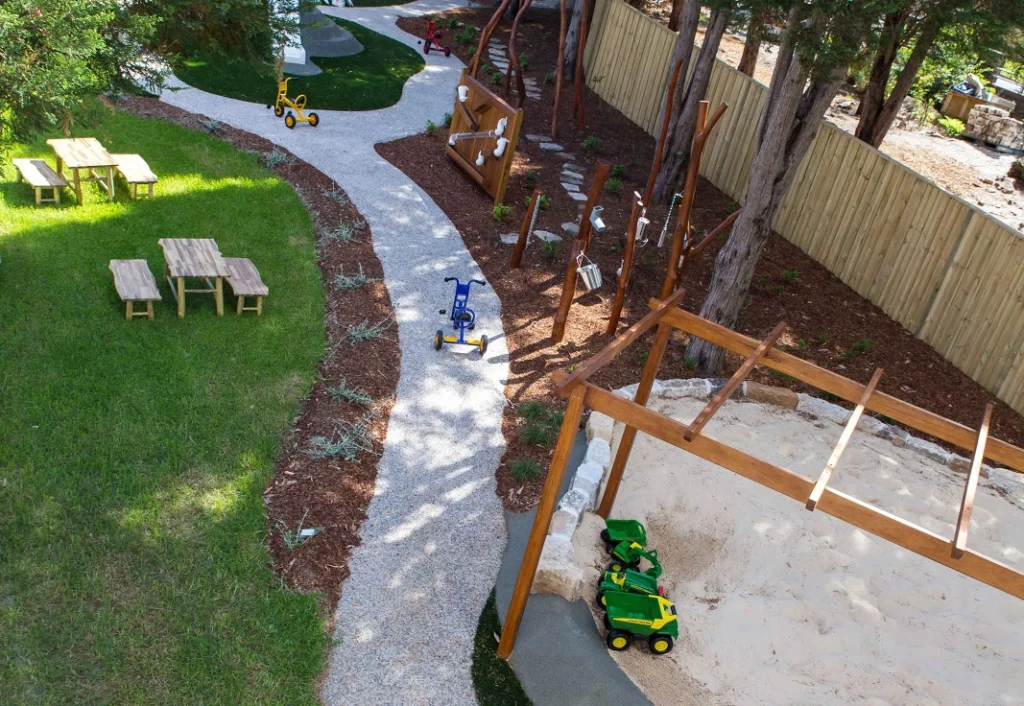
point(330, 494)
point(828, 323)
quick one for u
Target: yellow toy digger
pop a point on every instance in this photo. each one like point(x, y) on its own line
point(293, 107)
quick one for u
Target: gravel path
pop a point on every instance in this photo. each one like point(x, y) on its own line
point(435, 533)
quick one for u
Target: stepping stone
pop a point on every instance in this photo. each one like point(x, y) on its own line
point(570, 167)
point(509, 238)
point(569, 156)
point(571, 228)
point(547, 236)
point(537, 138)
point(570, 187)
point(572, 177)
point(551, 147)
point(577, 196)
point(534, 96)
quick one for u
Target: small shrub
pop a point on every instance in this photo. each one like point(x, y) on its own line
point(447, 119)
point(343, 393)
point(212, 126)
point(551, 248)
point(613, 185)
point(790, 275)
point(530, 180)
point(822, 338)
point(545, 202)
point(495, 78)
point(294, 539)
point(471, 52)
point(524, 469)
point(533, 411)
point(500, 212)
point(336, 195)
point(618, 171)
point(466, 36)
point(550, 77)
point(276, 158)
point(452, 23)
point(952, 126)
point(524, 61)
point(801, 344)
point(862, 346)
point(431, 127)
point(591, 145)
point(358, 333)
point(343, 281)
point(690, 363)
point(642, 356)
point(486, 70)
point(347, 442)
point(343, 233)
point(539, 435)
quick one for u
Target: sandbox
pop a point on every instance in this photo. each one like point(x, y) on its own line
point(778, 605)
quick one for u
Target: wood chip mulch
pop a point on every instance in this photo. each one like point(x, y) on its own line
point(329, 494)
point(828, 323)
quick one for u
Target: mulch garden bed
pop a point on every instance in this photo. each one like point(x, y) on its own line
point(329, 494)
point(828, 323)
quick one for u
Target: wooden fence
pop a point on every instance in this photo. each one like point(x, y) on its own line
point(945, 270)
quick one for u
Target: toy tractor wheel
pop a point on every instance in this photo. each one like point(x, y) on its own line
point(607, 622)
point(289, 121)
point(616, 566)
point(314, 119)
point(602, 602)
point(438, 340)
point(278, 110)
point(618, 640)
point(660, 644)
point(483, 345)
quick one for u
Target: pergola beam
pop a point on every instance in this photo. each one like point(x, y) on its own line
point(963, 520)
point(738, 377)
point(844, 439)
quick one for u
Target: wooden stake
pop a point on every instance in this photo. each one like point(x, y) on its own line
point(643, 393)
point(581, 45)
point(485, 35)
point(513, 51)
point(541, 521)
point(627, 265)
point(739, 376)
point(659, 150)
point(559, 70)
point(580, 246)
point(844, 439)
point(524, 230)
point(963, 520)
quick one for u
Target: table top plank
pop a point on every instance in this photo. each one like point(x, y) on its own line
point(193, 257)
point(81, 152)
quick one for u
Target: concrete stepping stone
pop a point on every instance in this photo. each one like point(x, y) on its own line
point(547, 236)
point(537, 138)
point(551, 147)
point(577, 196)
point(569, 166)
point(568, 156)
point(572, 177)
point(509, 238)
point(570, 187)
point(571, 228)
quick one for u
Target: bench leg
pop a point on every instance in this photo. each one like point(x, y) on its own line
point(149, 310)
point(78, 186)
point(56, 195)
point(259, 306)
point(240, 306)
point(181, 297)
point(110, 182)
point(135, 192)
point(151, 185)
point(219, 294)
point(39, 195)
point(129, 310)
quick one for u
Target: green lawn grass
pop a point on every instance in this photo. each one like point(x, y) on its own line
point(369, 80)
point(133, 455)
point(493, 679)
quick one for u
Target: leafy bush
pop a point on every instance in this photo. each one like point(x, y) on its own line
point(343, 393)
point(531, 179)
point(358, 333)
point(550, 77)
point(453, 23)
point(613, 185)
point(431, 127)
point(495, 78)
point(591, 145)
point(500, 212)
point(343, 233)
point(347, 442)
point(790, 275)
point(524, 61)
point(618, 171)
point(551, 248)
point(545, 202)
point(447, 119)
point(952, 126)
point(524, 469)
point(343, 281)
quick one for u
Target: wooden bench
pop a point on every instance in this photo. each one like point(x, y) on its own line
point(135, 171)
point(40, 176)
point(135, 283)
point(245, 281)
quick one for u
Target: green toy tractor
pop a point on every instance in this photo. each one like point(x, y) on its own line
point(616, 531)
point(629, 581)
point(628, 555)
point(632, 615)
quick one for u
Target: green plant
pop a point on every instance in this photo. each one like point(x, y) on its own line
point(524, 60)
point(212, 126)
point(531, 181)
point(486, 69)
point(363, 331)
point(591, 145)
point(545, 202)
point(343, 281)
point(466, 36)
point(642, 356)
point(538, 435)
point(862, 346)
point(276, 158)
point(447, 119)
point(495, 78)
point(618, 171)
point(493, 679)
point(550, 77)
point(431, 127)
point(347, 442)
point(690, 363)
point(335, 194)
point(533, 411)
point(453, 23)
point(471, 52)
point(293, 539)
point(343, 232)
point(613, 185)
point(500, 212)
point(822, 338)
point(952, 126)
point(551, 248)
point(343, 393)
point(801, 344)
point(524, 469)
point(790, 275)
point(543, 424)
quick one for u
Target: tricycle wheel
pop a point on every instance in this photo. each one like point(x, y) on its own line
point(447, 51)
point(483, 345)
point(619, 640)
point(438, 340)
point(660, 644)
point(278, 110)
point(289, 121)
point(314, 119)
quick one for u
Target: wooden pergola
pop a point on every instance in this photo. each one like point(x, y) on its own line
point(815, 495)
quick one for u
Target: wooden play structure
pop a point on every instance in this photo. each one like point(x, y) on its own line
point(816, 495)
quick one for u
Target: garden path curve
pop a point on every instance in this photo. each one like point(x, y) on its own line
point(433, 540)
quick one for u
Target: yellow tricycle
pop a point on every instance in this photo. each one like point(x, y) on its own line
point(294, 107)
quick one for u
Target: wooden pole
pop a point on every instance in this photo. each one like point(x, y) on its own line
point(581, 45)
point(659, 150)
point(963, 520)
point(542, 521)
point(601, 173)
point(524, 230)
point(643, 393)
point(513, 51)
point(627, 265)
point(559, 71)
point(485, 35)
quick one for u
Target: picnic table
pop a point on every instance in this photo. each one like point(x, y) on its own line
point(194, 258)
point(78, 153)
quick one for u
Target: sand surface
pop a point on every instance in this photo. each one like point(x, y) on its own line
point(778, 605)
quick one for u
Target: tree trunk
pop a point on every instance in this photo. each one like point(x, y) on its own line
point(751, 47)
point(877, 112)
point(680, 136)
point(787, 125)
point(572, 37)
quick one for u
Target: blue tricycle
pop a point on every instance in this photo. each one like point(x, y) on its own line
point(462, 317)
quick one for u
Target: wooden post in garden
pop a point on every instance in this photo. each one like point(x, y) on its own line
point(659, 150)
point(524, 231)
point(513, 52)
point(559, 71)
point(541, 521)
point(485, 35)
point(601, 172)
point(581, 46)
point(627, 264)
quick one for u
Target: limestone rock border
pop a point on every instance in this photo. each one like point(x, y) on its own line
point(558, 574)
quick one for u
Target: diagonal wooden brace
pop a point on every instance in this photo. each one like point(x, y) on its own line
point(844, 439)
point(963, 520)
